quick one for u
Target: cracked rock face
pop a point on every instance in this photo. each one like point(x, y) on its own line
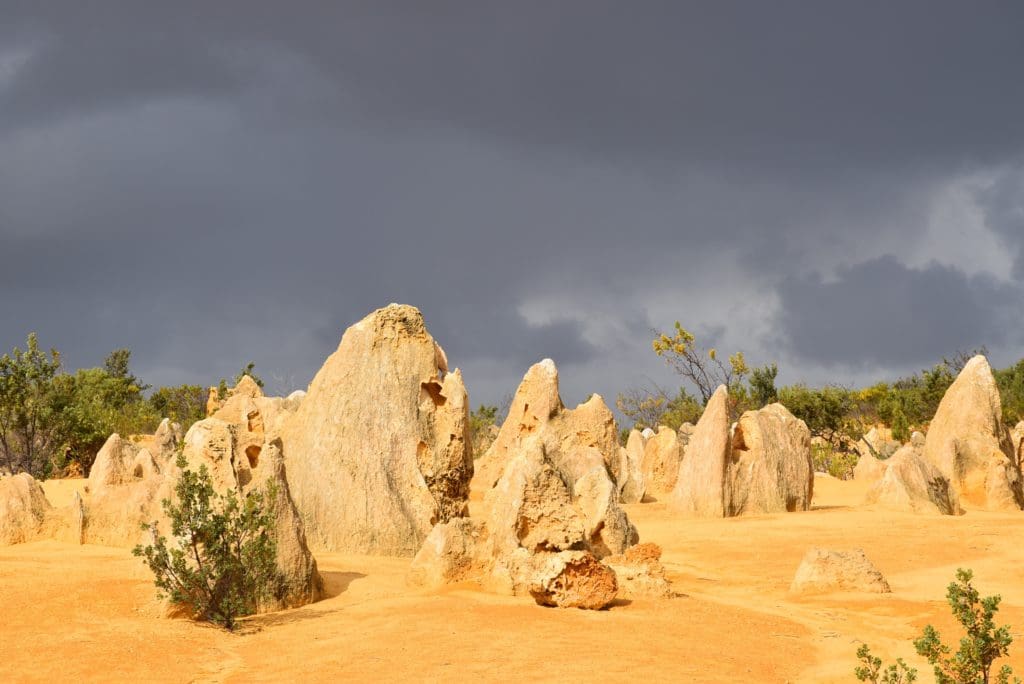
point(575, 440)
point(969, 444)
point(378, 451)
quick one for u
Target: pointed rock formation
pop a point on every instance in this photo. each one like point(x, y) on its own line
point(575, 440)
point(632, 482)
point(771, 469)
point(700, 489)
point(662, 456)
point(969, 444)
point(23, 509)
point(378, 450)
point(539, 535)
point(912, 483)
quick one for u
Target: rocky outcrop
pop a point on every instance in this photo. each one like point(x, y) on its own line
point(23, 509)
point(662, 456)
point(575, 440)
point(761, 465)
point(824, 570)
point(869, 469)
point(771, 469)
point(225, 449)
point(540, 534)
point(126, 484)
point(572, 579)
point(912, 483)
point(632, 481)
point(700, 489)
point(969, 444)
point(378, 450)
point(640, 573)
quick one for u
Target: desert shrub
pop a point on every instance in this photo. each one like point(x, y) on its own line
point(31, 426)
point(870, 669)
point(829, 412)
point(221, 560)
point(482, 420)
point(651, 408)
point(982, 644)
point(183, 404)
point(827, 459)
point(1011, 390)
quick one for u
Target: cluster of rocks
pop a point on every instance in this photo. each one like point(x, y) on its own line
point(376, 458)
point(968, 458)
point(551, 486)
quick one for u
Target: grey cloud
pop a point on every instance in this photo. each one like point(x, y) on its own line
point(1003, 205)
point(881, 313)
point(212, 183)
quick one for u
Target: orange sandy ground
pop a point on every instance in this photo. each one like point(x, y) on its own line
point(87, 612)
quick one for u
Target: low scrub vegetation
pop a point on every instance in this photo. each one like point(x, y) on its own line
point(981, 646)
point(221, 560)
point(53, 422)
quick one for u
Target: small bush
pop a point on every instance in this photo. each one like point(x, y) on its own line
point(827, 459)
point(982, 644)
point(870, 669)
point(222, 559)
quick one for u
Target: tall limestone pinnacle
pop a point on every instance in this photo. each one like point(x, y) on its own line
point(378, 451)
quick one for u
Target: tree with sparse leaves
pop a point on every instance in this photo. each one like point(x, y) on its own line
point(702, 367)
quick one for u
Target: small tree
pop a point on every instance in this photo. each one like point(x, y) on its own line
point(221, 562)
point(703, 368)
point(870, 669)
point(31, 425)
point(982, 645)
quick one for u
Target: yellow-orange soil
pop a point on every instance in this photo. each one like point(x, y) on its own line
point(72, 613)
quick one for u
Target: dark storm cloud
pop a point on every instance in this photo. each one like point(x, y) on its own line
point(1003, 206)
point(883, 313)
point(211, 183)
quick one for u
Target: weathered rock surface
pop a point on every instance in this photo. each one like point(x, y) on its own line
point(912, 483)
point(969, 444)
point(662, 457)
point(640, 573)
point(378, 450)
point(700, 489)
point(226, 450)
point(539, 535)
point(771, 469)
point(573, 579)
point(575, 440)
point(632, 482)
point(824, 570)
point(23, 509)
point(869, 469)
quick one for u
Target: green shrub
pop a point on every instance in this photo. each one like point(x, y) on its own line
point(982, 645)
point(221, 562)
point(870, 669)
point(827, 459)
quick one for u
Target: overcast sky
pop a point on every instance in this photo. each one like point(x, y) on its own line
point(838, 187)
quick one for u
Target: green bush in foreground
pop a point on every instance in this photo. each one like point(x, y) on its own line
point(222, 559)
point(981, 646)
